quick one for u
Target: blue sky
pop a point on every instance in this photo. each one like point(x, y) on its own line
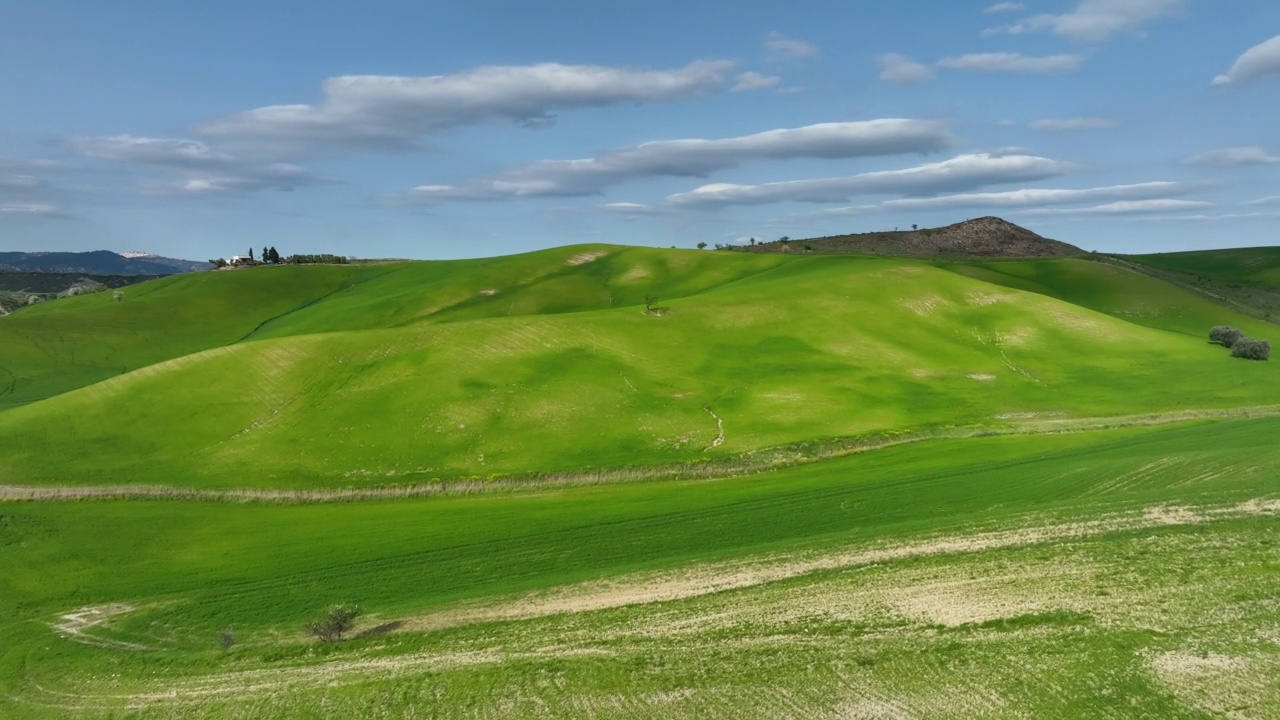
point(454, 129)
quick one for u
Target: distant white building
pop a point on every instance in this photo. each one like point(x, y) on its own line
point(239, 260)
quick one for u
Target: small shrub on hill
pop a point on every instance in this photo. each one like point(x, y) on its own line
point(1251, 349)
point(1225, 336)
point(336, 622)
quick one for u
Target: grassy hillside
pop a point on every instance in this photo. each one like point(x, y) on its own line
point(1245, 279)
point(769, 351)
point(1115, 291)
point(1126, 573)
point(1258, 266)
point(1083, 524)
point(49, 349)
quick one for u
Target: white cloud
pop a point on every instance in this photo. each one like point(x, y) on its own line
point(150, 151)
point(1012, 62)
point(961, 173)
point(1257, 62)
point(31, 210)
point(754, 81)
point(24, 191)
point(1004, 7)
point(1125, 207)
point(1234, 157)
point(19, 182)
point(697, 158)
point(1024, 198)
point(630, 209)
point(205, 169)
point(902, 70)
point(1095, 20)
point(779, 45)
point(1204, 217)
point(1069, 124)
point(30, 165)
point(1272, 200)
point(391, 112)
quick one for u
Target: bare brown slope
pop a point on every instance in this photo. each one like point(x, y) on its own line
point(982, 237)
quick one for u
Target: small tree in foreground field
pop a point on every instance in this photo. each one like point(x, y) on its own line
point(336, 622)
point(1225, 336)
point(226, 639)
point(1251, 349)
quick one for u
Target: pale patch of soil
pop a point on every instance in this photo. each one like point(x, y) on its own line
point(634, 274)
point(1226, 686)
point(583, 258)
point(926, 305)
point(866, 709)
point(76, 625)
point(983, 299)
point(489, 291)
point(981, 377)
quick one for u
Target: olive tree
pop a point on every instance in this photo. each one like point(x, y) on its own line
point(1251, 349)
point(1225, 335)
point(336, 622)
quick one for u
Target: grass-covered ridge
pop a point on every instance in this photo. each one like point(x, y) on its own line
point(1063, 505)
point(548, 363)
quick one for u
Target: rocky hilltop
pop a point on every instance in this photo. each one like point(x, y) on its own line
point(981, 237)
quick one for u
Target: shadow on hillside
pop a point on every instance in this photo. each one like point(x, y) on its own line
point(382, 629)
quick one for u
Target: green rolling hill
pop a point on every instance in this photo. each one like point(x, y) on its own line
point(872, 487)
point(547, 363)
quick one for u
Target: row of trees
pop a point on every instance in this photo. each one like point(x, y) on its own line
point(270, 256)
point(1240, 344)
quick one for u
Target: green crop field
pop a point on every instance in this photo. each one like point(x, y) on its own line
point(1258, 266)
point(803, 486)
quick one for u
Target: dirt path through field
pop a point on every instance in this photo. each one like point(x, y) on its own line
point(713, 578)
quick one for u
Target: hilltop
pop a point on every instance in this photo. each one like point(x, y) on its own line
point(983, 237)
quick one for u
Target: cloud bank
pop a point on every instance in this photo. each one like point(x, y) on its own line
point(202, 169)
point(1069, 124)
point(902, 70)
point(697, 158)
point(1256, 63)
point(1012, 62)
point(1234, 157)
point(965, 172)
point(778, 45)
point(1095, 21)
point(393, 112)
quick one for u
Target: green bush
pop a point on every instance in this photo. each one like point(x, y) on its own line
point(1251, 349)
point(1225, 335)
point(335, 623)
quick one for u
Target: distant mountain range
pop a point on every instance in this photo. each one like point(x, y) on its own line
point(98, 262)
